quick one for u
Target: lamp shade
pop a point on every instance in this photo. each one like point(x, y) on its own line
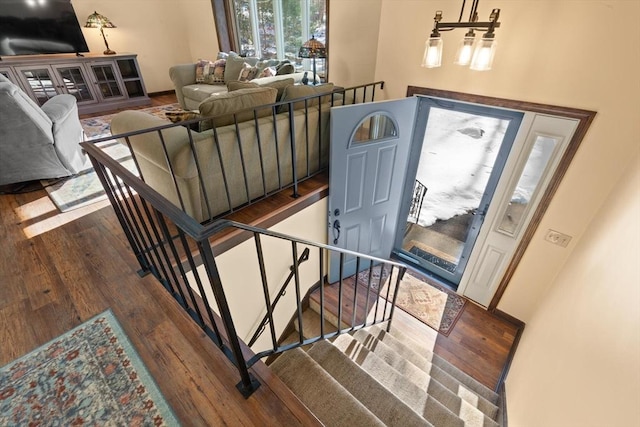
point(313, 48)
point(432, 57)
point(483, 55)
point(95, 20)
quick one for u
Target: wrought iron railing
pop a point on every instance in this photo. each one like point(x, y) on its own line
point(237, 159)
point(177, 250)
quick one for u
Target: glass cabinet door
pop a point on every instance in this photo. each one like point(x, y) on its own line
point(131, 78)
point(74, 82)
point(107, 81)
point(39, 82)
point(5, 71)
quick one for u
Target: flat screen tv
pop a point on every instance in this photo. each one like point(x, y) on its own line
point(35, 27)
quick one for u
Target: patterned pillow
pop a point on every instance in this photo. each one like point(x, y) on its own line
point(181, 116)
point(210, 72)
point(247, 72)
point(268, 72)
point(285, 68)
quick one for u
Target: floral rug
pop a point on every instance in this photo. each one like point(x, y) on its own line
point(428, 302)
point(91, 375)
point(85, 188)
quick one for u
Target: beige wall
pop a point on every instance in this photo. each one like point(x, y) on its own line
point(161, 32)
point(578, 360)
point(552, 63)
point(241, 276)
point(577, 364)
point(353, 41)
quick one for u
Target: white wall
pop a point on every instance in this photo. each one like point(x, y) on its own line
point(578, 362)
point(161, 32)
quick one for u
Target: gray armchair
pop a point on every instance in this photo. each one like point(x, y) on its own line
point(38, 142)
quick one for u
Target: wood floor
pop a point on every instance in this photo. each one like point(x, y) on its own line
point(60, 269)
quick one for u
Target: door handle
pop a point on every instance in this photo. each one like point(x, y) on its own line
point(336, 231)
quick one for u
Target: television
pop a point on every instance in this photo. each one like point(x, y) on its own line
point(36, 27)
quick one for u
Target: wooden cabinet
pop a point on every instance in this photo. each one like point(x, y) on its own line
point(98, 82)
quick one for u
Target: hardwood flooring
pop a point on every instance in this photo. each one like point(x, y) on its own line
point(60, 269)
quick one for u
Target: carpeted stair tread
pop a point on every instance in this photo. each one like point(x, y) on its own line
point(408, 365)
point(380, 401)
point(311, 324)
point(404, 349)
point(413, 392)
point(331, 403)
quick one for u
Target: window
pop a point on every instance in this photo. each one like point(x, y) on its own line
point(277, 28)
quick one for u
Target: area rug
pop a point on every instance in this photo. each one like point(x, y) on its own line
point(91, 375)
point(85, 188)
point(429, 302)
point(98, 127)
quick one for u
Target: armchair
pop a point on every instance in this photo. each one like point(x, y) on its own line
point(38, 142)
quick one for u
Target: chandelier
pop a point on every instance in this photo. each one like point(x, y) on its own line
point(478, 57)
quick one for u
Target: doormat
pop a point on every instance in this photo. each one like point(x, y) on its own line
point(433, 259)
point(422, 298)
point(91, 375)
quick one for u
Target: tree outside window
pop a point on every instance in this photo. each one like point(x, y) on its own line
point(277, 28)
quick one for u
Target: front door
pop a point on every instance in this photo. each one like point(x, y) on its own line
point(370, 145)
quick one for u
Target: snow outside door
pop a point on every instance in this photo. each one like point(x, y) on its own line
point(369, 156)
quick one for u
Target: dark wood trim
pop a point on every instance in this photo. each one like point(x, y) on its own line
point(502, 408)
point(512, 351)
point(584, 117)
point(224, 22)
point(161, 93)
point(264, 215)
point(507, 317)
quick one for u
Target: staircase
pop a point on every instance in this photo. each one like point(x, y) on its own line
point(371, 377)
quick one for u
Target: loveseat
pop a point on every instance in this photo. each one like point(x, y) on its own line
point(195, 82)
point(246, 153)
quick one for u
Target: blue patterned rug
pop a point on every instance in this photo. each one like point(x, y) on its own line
point(85, 188)
point(91, 375)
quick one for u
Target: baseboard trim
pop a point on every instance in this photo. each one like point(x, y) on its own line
point(503, 420)
point(520, 325)
point(509, 318)
point(161, 93)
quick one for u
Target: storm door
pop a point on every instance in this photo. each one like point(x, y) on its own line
point(459, 163)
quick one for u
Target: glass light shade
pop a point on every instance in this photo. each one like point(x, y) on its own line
point(465, 50)
point(432, 53)
point(483, 55)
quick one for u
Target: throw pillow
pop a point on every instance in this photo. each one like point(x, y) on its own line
point(235, 64)
point(247, 72)
point(280, 85)
point(210, 72)
point(224, 105)
point(181, 116)
point(268, 72)
point(302, 91)
point(285, 68)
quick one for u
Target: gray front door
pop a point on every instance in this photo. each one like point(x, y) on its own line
point(369, 157)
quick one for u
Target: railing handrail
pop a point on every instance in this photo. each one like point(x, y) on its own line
point(161, 253)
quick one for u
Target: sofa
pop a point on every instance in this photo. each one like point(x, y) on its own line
point(38, 142)
point(195, 82)
point(248, 139)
